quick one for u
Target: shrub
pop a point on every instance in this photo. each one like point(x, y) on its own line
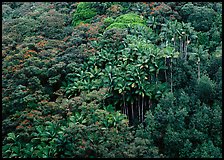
point(53, 24)
point(117, 25)
point(81, 92)
point(108, 21)
point(127, 20)
point(201, 18)
point(20, 28)
point(6, 12)
point(98, 132)
point(84, 12)
point(101, 7)
point(205, 89)
point(114, 9)
point(181, 127)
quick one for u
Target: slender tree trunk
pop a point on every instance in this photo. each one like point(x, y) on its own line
point(124, 107)
point(184, 52)
point(145, 104)
point(165, 71)
point(139, 107)
point(136, 107)
point(183, 46)
point(174, 44)
point(156, 78)
point(186, 48)
point(127, 111)
point(171, 75)
point(142, 107)
point(132, 110)
point(199, 69)
point(180, 47)
point(149, 103)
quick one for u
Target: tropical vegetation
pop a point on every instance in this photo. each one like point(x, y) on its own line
point(111, 80)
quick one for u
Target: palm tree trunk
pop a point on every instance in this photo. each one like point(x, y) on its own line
point(174, 44)
point(139, 107)
point(132, 110)
point(124, 104)
point(145, 104)
point(199, 69)
point(180, 47)
point(171, 75)
point(156, 78)
point(136, 106)
point(122, 110)
point(149, 103)
point(165, 71)
point(127, 112)
point(186, 48)
point(142, 107)
point(183, 46)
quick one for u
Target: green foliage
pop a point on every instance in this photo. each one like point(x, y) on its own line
point(21, 28)
point(84, 12)
point(99, 133)
point(101, 7)
point(132, 80)
point(145, 83)
point(117, 25)
point(200, 17)
point(108, 21)
point(53, 24)
point(127, 20)
point(171, 125)
point(6, 11)
point(205, 89)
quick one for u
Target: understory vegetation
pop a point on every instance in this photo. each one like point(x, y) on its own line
point(112, 80)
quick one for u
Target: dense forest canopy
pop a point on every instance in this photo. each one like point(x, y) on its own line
point(112, 79)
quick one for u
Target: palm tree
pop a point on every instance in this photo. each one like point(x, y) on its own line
point(188, 31)
point(199, 53)
point(170, 53)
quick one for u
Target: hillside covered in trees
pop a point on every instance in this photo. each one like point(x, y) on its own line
point(112, 80)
